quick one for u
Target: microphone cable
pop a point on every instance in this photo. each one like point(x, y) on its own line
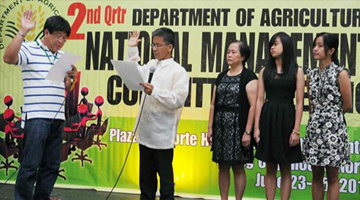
point(127, 154)
point(36, 144)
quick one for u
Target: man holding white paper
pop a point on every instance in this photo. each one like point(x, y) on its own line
point(162, 107)
point(43, 109)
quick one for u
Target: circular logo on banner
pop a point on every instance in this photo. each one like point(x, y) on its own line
point(10, 18)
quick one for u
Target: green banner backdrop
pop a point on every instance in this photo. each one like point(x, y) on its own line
point(203, 28)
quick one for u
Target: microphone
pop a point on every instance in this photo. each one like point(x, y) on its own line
point(152, 70)
point(72, 77)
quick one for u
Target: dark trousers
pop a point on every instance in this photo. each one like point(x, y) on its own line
point(41, 159)
point(153, 162)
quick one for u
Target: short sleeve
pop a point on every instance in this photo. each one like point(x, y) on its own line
point(23, 52)
point(219, 77)
point(252, 76)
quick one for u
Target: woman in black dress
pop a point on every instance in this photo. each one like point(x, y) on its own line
point(231, 119)
point(277, 122)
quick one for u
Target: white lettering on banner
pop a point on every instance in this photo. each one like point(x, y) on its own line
point(300, 167)
point(352, 168)
point(186, 139)
point(349, 185)
point(300, 182)
point(354, 147)
point(249, 166)
point(116, 135)
point(260, 180)
point(261, 164)
point(204, 142)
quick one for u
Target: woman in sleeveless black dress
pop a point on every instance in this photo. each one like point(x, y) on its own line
point(231, 119)
point(277, 122)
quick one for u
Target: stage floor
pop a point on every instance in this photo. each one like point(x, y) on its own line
point(7, 193)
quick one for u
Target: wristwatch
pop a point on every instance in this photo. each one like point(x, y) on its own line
point(247, 132)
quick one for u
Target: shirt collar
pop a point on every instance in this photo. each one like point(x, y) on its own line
point(38, 41)
point(165, 62)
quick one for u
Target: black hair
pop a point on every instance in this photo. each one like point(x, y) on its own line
point(289, 65)
point(57, 23)
point(167, 34)
point(244, 51)
point(330, 41)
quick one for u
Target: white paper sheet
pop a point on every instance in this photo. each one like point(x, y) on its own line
point(61, 66)
point(129, 73)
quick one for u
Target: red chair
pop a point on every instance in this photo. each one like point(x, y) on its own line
point(100, 132)
point(83, 144)
point(65, 149)
point(7, 151)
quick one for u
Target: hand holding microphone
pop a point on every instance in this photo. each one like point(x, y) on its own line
point(71, 74)
point(148, 87)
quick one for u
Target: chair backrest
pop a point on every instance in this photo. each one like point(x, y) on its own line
point(88, 141)
point(72, 99)
point(2, 146)
point(2, 123)
point(90, 107)
point(6, 151)
point(104, 127)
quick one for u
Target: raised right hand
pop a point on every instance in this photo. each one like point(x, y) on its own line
point(27, 24)
point(134, 39)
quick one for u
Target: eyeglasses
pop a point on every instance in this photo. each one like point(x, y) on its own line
point(158, 45)
point(59, 36)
